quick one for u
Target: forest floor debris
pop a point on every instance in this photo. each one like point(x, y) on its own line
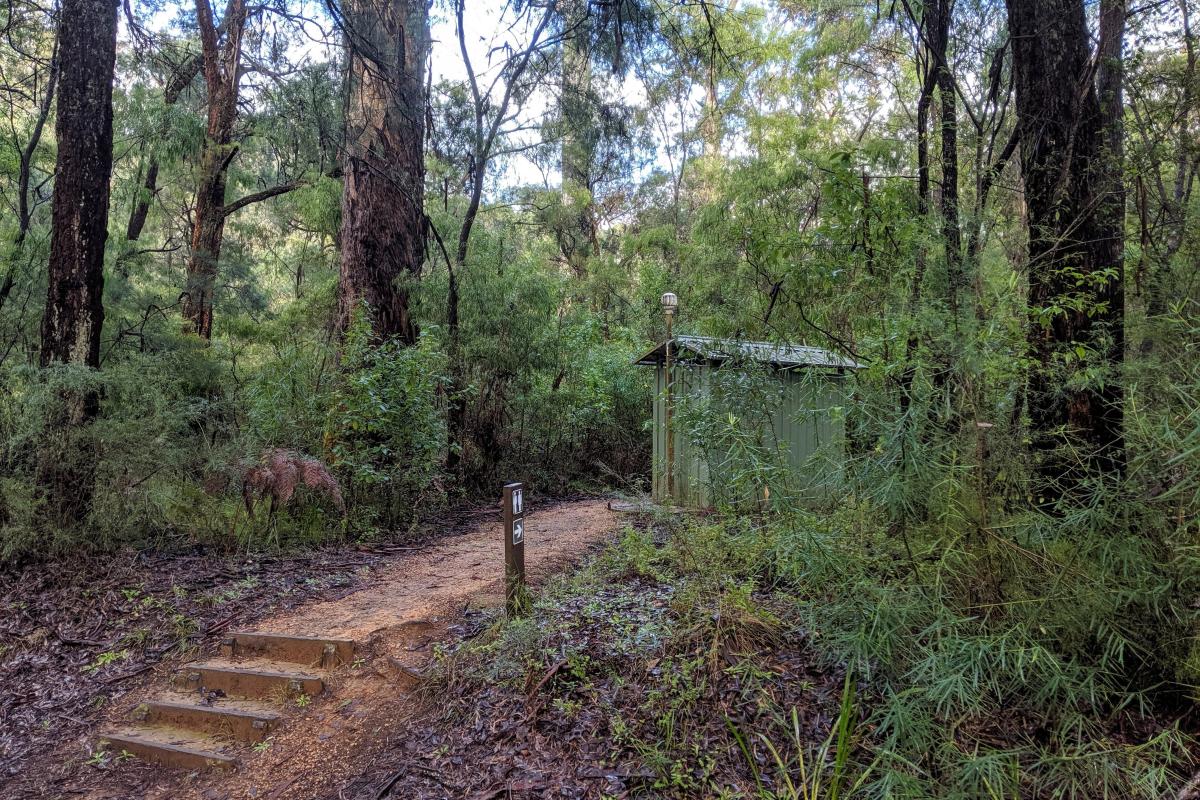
point(398, 612)
point(616, 706)
point(75, 636)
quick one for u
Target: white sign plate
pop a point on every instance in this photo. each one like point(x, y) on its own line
point(518, 501)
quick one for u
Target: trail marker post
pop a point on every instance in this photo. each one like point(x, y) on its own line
point(514, 547)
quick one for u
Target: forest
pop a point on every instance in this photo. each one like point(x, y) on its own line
point(289, 289)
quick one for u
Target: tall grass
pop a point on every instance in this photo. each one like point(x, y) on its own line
point(1007, 650)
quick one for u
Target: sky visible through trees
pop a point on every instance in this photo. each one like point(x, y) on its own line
point(418, 246)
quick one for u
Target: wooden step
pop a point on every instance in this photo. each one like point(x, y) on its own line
point(168, 746)
point(308, 650)
point(255, 681)
point(235, 719)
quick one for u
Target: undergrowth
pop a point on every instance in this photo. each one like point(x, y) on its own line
point(795, 657)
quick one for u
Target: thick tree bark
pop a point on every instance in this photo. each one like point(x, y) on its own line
point(74, 313)
point(1076, 272)
point(222, 75)
point(383, 234)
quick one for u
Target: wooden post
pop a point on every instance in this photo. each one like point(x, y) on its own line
point(514, 547)
point(670, 448)
point(670, 304)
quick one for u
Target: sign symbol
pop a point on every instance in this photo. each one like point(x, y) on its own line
point(518, 501)
point(518, 531)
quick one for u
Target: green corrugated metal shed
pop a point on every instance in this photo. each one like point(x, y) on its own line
point(806, 425)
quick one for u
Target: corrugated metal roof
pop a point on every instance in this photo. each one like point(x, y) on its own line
point(780, 355)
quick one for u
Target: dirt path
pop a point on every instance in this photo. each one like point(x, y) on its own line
point(465, 568)
point(396, 620)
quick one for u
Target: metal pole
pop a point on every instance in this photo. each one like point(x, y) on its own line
point(670, 467)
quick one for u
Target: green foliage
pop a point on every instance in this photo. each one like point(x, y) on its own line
point(154, 411)
point(788, 758)
point(729, 423)
point(547, 382)
point(958, 672)
point(1003, 649)
point(386, 427)
point(1038, 692)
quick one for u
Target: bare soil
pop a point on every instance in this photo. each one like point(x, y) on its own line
point(77, 635)
point(397, 615)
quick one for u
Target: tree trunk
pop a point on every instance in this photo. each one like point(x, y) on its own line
point(1174, 204)
point(484, 140)
point(951, 232)
point(74, 313)
point(712, 129)
point(141, 205)
point(222, 74)
point(1076, 273)
point(383, 217)
point(946, 357)
point(180, 80)
point(577, 233)
point(24, 176)
point(909, 372)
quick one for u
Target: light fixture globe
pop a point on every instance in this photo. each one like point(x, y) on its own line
point(670, 303)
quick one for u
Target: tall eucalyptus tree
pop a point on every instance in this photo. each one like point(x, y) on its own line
point(1068, 107)
point(383, 234)
point(74, 312)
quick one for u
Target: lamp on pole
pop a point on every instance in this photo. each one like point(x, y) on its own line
point(670, 304)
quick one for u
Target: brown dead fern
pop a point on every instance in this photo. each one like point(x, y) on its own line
point(280, 472)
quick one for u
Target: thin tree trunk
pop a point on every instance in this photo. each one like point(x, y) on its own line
point(951, 232)
point(1076, 273)
point(712, 132)
point(141, 206)
point(1108, 432)
point(909, 372)
point(947, 356)
point(24, 176)
point(74, 313)
point(990, 173)
point(222, 74)
point(1174, 205)
point(180, 80)
point(25, 167)
point(383, 234)
point(577, 233)
point(484, 140)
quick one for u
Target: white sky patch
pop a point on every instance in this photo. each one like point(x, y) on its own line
point(489, 30)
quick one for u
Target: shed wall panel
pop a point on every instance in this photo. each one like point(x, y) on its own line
point(805, 426)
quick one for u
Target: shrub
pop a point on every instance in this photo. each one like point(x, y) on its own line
point(386, 429)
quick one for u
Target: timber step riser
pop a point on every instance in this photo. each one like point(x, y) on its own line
point(250, 684)
point(309, 651)
point(214, 720)
point(166, 754)
point(196, 730)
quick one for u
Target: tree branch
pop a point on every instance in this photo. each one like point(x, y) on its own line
point(258, 197)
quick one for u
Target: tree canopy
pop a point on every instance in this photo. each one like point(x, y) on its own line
point(422, 243)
